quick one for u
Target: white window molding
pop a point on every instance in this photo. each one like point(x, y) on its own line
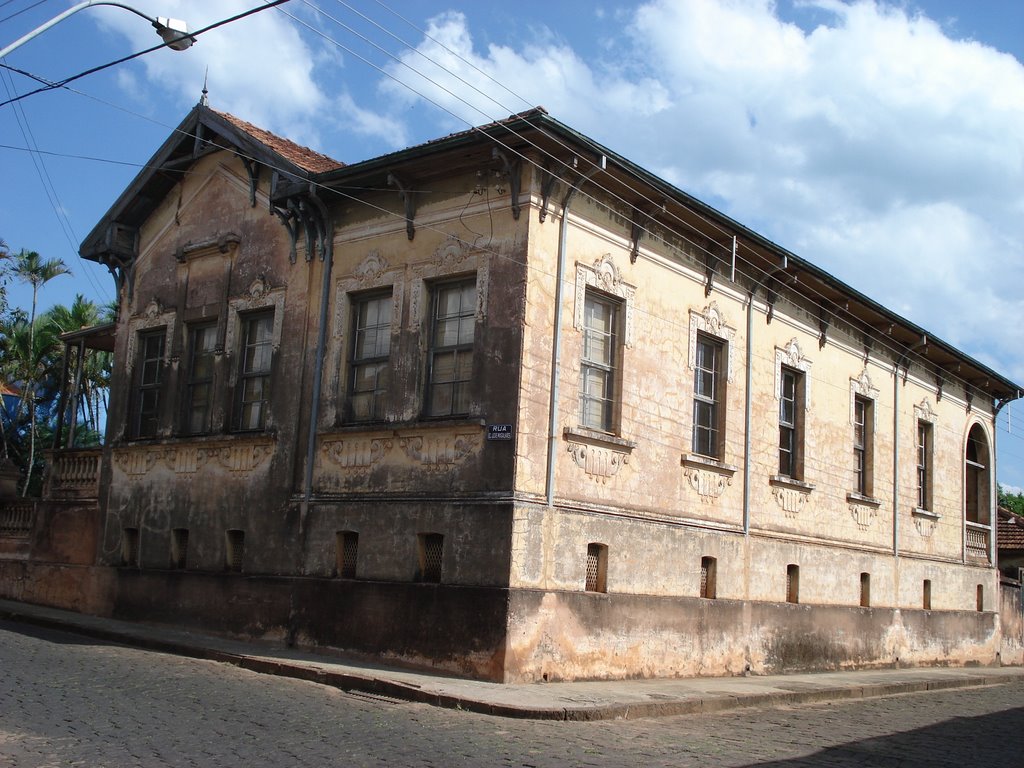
point(791, 356)
point(260, 296)
point(604, 276)
point(711, 322)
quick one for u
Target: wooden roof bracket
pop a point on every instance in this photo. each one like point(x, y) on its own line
point(408, 196)
point(823, 323)
point(868, 344)
point(289, 218)
point(904, 359)
point(771, 293)
point(641, 223)
point(940, 382)
point(252, 167)
point(710, 264)
point(513, 172)
point(548, 180)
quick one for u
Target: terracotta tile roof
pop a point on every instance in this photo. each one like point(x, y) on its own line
point(304, 157)
point(1010, 534)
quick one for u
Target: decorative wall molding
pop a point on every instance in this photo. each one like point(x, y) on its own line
point(925, 522)
point(792, 357)
point(153, 317)
point(356, 454)
point(258, 296)
point(711, 322)
point(604, 276)
point(791, 495)
point(863, 514)
point(452, 258)
point(236, 455)
point(598, 462)
point(440, 453)
point(923, 411)
point(862, 386)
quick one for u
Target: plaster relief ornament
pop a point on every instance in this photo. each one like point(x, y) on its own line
point(863, 515)
point(598, 463)
point(925, 525)
point(452, 254)
point(237, 458)
point(712, 322)
point(603, 275)
point(136, 461)
point(792, 500)
point(259, 287)
point(370, 268)
point(440, 453)
point(709, 485)
point(358, 454)
point(925, 412)
point(153, 310)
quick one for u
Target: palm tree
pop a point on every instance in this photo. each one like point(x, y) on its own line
point(31, 268)
point(95, 373)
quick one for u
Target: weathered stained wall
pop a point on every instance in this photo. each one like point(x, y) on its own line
point(575, 636)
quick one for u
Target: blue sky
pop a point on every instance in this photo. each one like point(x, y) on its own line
point(881, 141)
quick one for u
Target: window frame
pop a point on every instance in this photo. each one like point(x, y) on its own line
point(144, 389)
point(247, 322)
point(924, 451)
point(358, 362)
point(863, 445)
point(791, 428)
point(607, 370)
point(208, 382)
point(710, 404)
point(460, 389)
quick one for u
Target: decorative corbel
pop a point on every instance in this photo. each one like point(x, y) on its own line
point(548, 180)
point(252, 167)
point(512, 171)
point(289, 219)
point(408, 199)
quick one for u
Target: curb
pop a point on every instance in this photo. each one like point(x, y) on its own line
point(393, 689)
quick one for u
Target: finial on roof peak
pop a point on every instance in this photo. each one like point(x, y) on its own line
point(203, 100)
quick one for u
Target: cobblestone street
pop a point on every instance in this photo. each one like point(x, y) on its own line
point(66, 700)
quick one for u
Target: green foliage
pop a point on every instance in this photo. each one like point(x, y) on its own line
point(1014, 502)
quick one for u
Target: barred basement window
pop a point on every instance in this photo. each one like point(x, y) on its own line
point(926, 602)
point(130, 547)
point(235, 550)
point(792, 583)
point(597, 568)
point(708, 577)
point(179, 547)
point(347, 549)
point(431, 549)
point(981, 597)
point(865, 590)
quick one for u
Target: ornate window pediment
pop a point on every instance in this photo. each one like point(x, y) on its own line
point(712, 322)
point(604, 276)
point(791, 356)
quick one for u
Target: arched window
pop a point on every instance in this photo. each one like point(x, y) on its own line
point(978, 459)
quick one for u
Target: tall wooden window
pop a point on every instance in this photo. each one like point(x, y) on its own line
point(791, 399)
point(371, 347)
point(598, 368)
point(707, 398)
point(924, 465)
point(254, 374)
point(148, 375)
point(202, 343)
point(451, 348)
point(863, 440)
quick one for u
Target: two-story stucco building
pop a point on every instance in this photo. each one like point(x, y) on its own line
point(507, 405)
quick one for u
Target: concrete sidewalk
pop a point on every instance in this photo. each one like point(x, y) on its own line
point(602, 700)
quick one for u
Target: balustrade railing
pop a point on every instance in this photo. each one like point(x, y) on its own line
point(17, 517)
point(977, 541)
point(75, 472)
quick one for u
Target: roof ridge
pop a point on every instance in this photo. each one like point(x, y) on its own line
point(308, 159)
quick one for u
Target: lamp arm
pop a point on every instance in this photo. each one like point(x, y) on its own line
point(72, 10)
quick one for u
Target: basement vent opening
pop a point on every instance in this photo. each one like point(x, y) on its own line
point(235, 550)
point(179, 547)
point(865, 590)
point(347, 550)
point(130, 547)
point(708, 577)
point(792, 583)
point(926, 601)
point(597, 567)
point(431, 549)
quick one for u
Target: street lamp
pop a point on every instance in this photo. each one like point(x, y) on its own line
point(174, 32)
